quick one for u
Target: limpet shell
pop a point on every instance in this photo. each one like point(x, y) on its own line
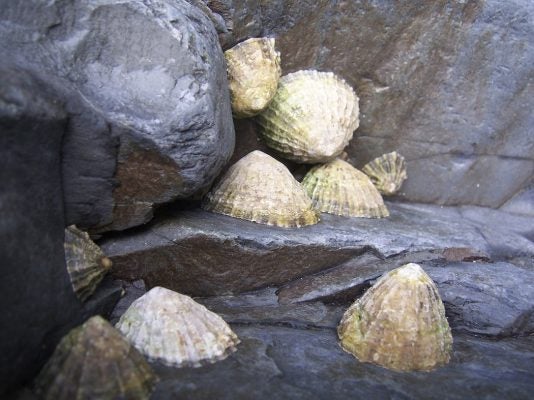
point(86, 263)
point(174, 329)
point(339, 188)
point(311, 118)
point(94, 361)
point(387, 172)
point(261, 189)
point(253, 68)
point(399, 323)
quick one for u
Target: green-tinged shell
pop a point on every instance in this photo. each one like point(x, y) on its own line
point(399, 323)
point(253, 73)
point(339, 188)
point(94, 361)
point(387, 172)
point(260, 189)
point(86, 263)
point(174, 329)
point(311, 118)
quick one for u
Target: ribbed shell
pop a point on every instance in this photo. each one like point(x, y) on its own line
point(387, 172)
point(261, 189)
point(253, 73)
point(174, 329)
point(339, 188)
point(399, 323)
point(86, 263)
point(94, 361)
point(311, 118)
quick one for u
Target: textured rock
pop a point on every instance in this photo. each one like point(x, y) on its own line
point(199, 253)
point(37, 300)
point(446, 84)
point(145, 88)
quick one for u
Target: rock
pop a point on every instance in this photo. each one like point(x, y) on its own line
point(202, 254)
point(522, 202)
point(145, 88)
point(37, 300)
point(447, 85)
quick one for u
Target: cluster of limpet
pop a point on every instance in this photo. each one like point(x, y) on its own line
point(399, 323)
point(94, 361)
point(86, 263)
point(387, 172)
point(311, 118)
point(261, 189)
point(339, 188)
point(253, 68)
point(175, 330)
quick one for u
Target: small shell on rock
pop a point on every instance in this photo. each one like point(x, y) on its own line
point(399, 323)
point(311, 118)
point(174, 329)
point(339, 188)
point(253, 72)
point(86, 263)
point(94, 361)
point(387, 172)
point(261, 189)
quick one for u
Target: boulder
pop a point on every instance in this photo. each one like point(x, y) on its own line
point(446, 85)
point(145, 90)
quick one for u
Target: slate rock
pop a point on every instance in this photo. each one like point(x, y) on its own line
point(203, 254)
point(445, 84)
point(144, 82)
point(37, 299)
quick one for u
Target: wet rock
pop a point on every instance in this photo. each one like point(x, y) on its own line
point(145, 90)
point(202, 254)
point(447, 85)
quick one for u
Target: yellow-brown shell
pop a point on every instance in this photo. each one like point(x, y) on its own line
point(387, 172)
point(86, 263)
point(311, 118)
point(399, 323)
point(175, 330)
point(261, 189)
point(253, 68)
point(94, 361)
point(339, 188)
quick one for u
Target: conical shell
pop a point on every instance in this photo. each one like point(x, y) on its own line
point(311, 118)
point(339, 188)
point(387, 172)
point(94, 361)
point(174, 329)
point(253, 73)
point(260, 189)
point(86, 263)
point(399, 323)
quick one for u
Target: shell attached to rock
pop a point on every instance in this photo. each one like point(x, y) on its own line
point(94, 361)
point(339, 188)
point(387, 172)
point(86, 263)
point(311, 118)
point(253, 73)
point(260, 189)
point(399, 323)
point(174, 329)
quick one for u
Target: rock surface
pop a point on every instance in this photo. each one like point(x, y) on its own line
point(446, 84)
point(146, 95)
point(38, 304)
point(201, 254)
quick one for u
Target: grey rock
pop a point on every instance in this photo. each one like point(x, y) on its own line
point(145, 88)
point(448, 85)
point(203, 254)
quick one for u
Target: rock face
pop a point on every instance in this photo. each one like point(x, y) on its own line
point(200, 254)
point(146, 95)
point(447, 85)
point(37, 300)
